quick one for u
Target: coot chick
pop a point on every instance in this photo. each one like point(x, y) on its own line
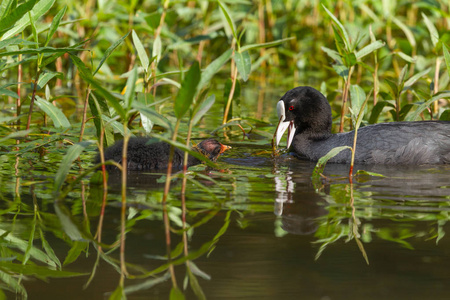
point(307, 114)
point(154, 156)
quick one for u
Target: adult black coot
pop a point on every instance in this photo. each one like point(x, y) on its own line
point(142, 155)
point(307, 114)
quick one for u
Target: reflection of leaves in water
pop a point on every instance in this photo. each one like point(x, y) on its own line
point(399, 236)
point(371, 204)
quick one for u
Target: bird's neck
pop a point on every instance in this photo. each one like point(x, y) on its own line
point(313, 133)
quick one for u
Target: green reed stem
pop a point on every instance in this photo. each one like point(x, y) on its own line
point(230, 96)
point(358, 122)
point(345, 98)
point(33, 97)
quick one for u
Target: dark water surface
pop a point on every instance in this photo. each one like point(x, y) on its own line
point(288, 238)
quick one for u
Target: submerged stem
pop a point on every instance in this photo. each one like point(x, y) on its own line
point(183, 192)
point(164, 203)
point(126, 137)
point(105, 189)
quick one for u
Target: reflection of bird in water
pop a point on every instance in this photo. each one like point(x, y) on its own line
point(414, 188)
point(298, 204)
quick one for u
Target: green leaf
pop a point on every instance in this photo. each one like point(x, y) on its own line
point(38, 10)
point(369, 49)
point(265, 45)
point(358, 96)
point(332, 54)
point(194, 284)
point(432, 29)
point(393, 87)
point(26, 255)
point(99, 107)
point(85, 72)
point(446, 57)
point(243, 64)
point(64, 168)
point(46, 77)
point(147, 284)
point(8, 21)
point(405, 110)
point(202, 109)
point(176, 294)
point(118, 294)
point(142, 54)
point(361, 112)
point(230, 22)
point(350, 59)
point(53, 57)
point(413, 116)
point(22, 245)
point(33, 29)
point(41, 50)
point(6, 6)
point(15, 41)
point(340, 44)
point(362, 172)
point(408, 33)
point(445, 115)
point(341, 28)
point(155, 117)
point(77, 248)
point(38, 271)
point(401, 77)
point(153, 19)
point(188, 89)
point(341, 70)
point(13, 284)
point(321, 163)
point(9, 93)
point(376, 111)
point(57, 116)
point(131, 87)
point(116, 125)
point(213, 68)
point(415, 77)
point(109, 51)
point(68, 223)
point(14, 135)
point(195, 270)
point(55, 24)
point(147, 123)
point(49, 250)
point(405, 57)
point(99, 89)
point(157, 49)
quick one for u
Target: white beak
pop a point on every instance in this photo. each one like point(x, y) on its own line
point(282, 125)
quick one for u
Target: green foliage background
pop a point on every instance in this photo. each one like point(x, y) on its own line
point(73, 73)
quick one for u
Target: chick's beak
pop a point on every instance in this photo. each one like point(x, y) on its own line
point(283, 125)
point(224, 148)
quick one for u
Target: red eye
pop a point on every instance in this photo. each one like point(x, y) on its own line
point(291, 107)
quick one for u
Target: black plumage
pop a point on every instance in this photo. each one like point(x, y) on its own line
point(142, 155)
point(407, 143)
